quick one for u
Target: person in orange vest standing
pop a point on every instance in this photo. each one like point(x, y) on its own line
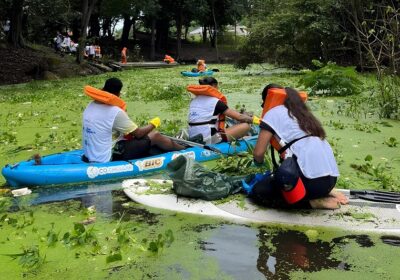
point(123, 55)
point(169, 59)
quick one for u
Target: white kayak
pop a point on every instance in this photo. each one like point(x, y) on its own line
point(359, 215)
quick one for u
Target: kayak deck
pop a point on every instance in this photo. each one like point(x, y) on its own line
point(359, 215)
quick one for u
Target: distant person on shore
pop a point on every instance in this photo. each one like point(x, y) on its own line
point(97, 51)
point(105, 117)
point(92, 51)
point(124, 56)
point(169, 59)
point(207, 114)
point(58, 40)
point(66, 44)
point(6, 28)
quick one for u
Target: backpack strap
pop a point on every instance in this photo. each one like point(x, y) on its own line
point(284, 148)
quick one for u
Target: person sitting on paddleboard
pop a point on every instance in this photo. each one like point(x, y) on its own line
point(106, 116)
point(292, 122)
point(207, 114)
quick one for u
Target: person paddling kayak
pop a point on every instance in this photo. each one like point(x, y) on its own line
point(106, 116)
point(207, 114)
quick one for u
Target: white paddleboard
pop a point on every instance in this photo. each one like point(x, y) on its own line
point(359, 215)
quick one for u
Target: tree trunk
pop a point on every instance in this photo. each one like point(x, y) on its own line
point(94, 30)
point(15, 35)
point(355, 5)
point(179, 33)
point(106, 27)
point(235, 26)
point(153, 39)
point(215, 29)
point(204, 34)
point(186, 32)
point(87, 9)
point(125, 30)
point(162, 30)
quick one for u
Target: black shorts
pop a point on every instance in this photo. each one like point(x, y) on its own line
point(268, 193)
point(132, 149)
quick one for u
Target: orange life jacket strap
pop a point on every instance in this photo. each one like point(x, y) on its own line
point(104, 97)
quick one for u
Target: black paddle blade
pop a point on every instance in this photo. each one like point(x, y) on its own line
point(380, 193)
point(379, 196)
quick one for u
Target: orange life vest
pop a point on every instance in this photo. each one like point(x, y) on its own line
point(123, 55)
point(201, 65)
point(276, 97)
point(97, 50)
point(213, 92)
point(169, 59)
point(104, 97)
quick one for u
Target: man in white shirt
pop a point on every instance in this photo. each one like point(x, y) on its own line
point(101, 121)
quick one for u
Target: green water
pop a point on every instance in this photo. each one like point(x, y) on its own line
point(41, 241)
point(128, 241)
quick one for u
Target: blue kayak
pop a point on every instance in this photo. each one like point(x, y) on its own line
point(68, 167)
point(197, 74)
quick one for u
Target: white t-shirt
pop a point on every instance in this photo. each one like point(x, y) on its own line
point(201, 109)
point(100, 121)
point(314, 156)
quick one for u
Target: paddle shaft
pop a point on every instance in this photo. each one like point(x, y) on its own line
point(192, 144)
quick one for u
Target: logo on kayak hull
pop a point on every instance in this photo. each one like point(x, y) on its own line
point(148, 164)
point(190, 154)
point(93, 171)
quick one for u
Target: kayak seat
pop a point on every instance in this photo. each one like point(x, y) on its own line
point(198, 138)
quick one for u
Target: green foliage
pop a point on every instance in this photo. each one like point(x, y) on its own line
point(392, 142)
point(52, 236)
point(241, 164)
point(332, 80)
point(7, 138)
point(114, 255)
point(379, 172)
point(388, 97)
point(30, 258)
point(293, 32)
point(79, 236)
point(157, 245)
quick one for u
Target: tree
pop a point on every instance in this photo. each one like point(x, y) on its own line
point(15, 35)
point(295, 32)
point(377, 31)
point(87, 9)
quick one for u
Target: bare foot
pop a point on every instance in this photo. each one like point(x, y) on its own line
point(339, 196)
point(325, 203)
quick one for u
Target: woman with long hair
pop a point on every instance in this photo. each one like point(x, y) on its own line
point(312, 155)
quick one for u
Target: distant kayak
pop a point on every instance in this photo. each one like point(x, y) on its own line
point(197, 74)
point(68, 167)
point(359, 215)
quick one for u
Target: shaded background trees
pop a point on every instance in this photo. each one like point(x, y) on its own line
point(292, 33)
